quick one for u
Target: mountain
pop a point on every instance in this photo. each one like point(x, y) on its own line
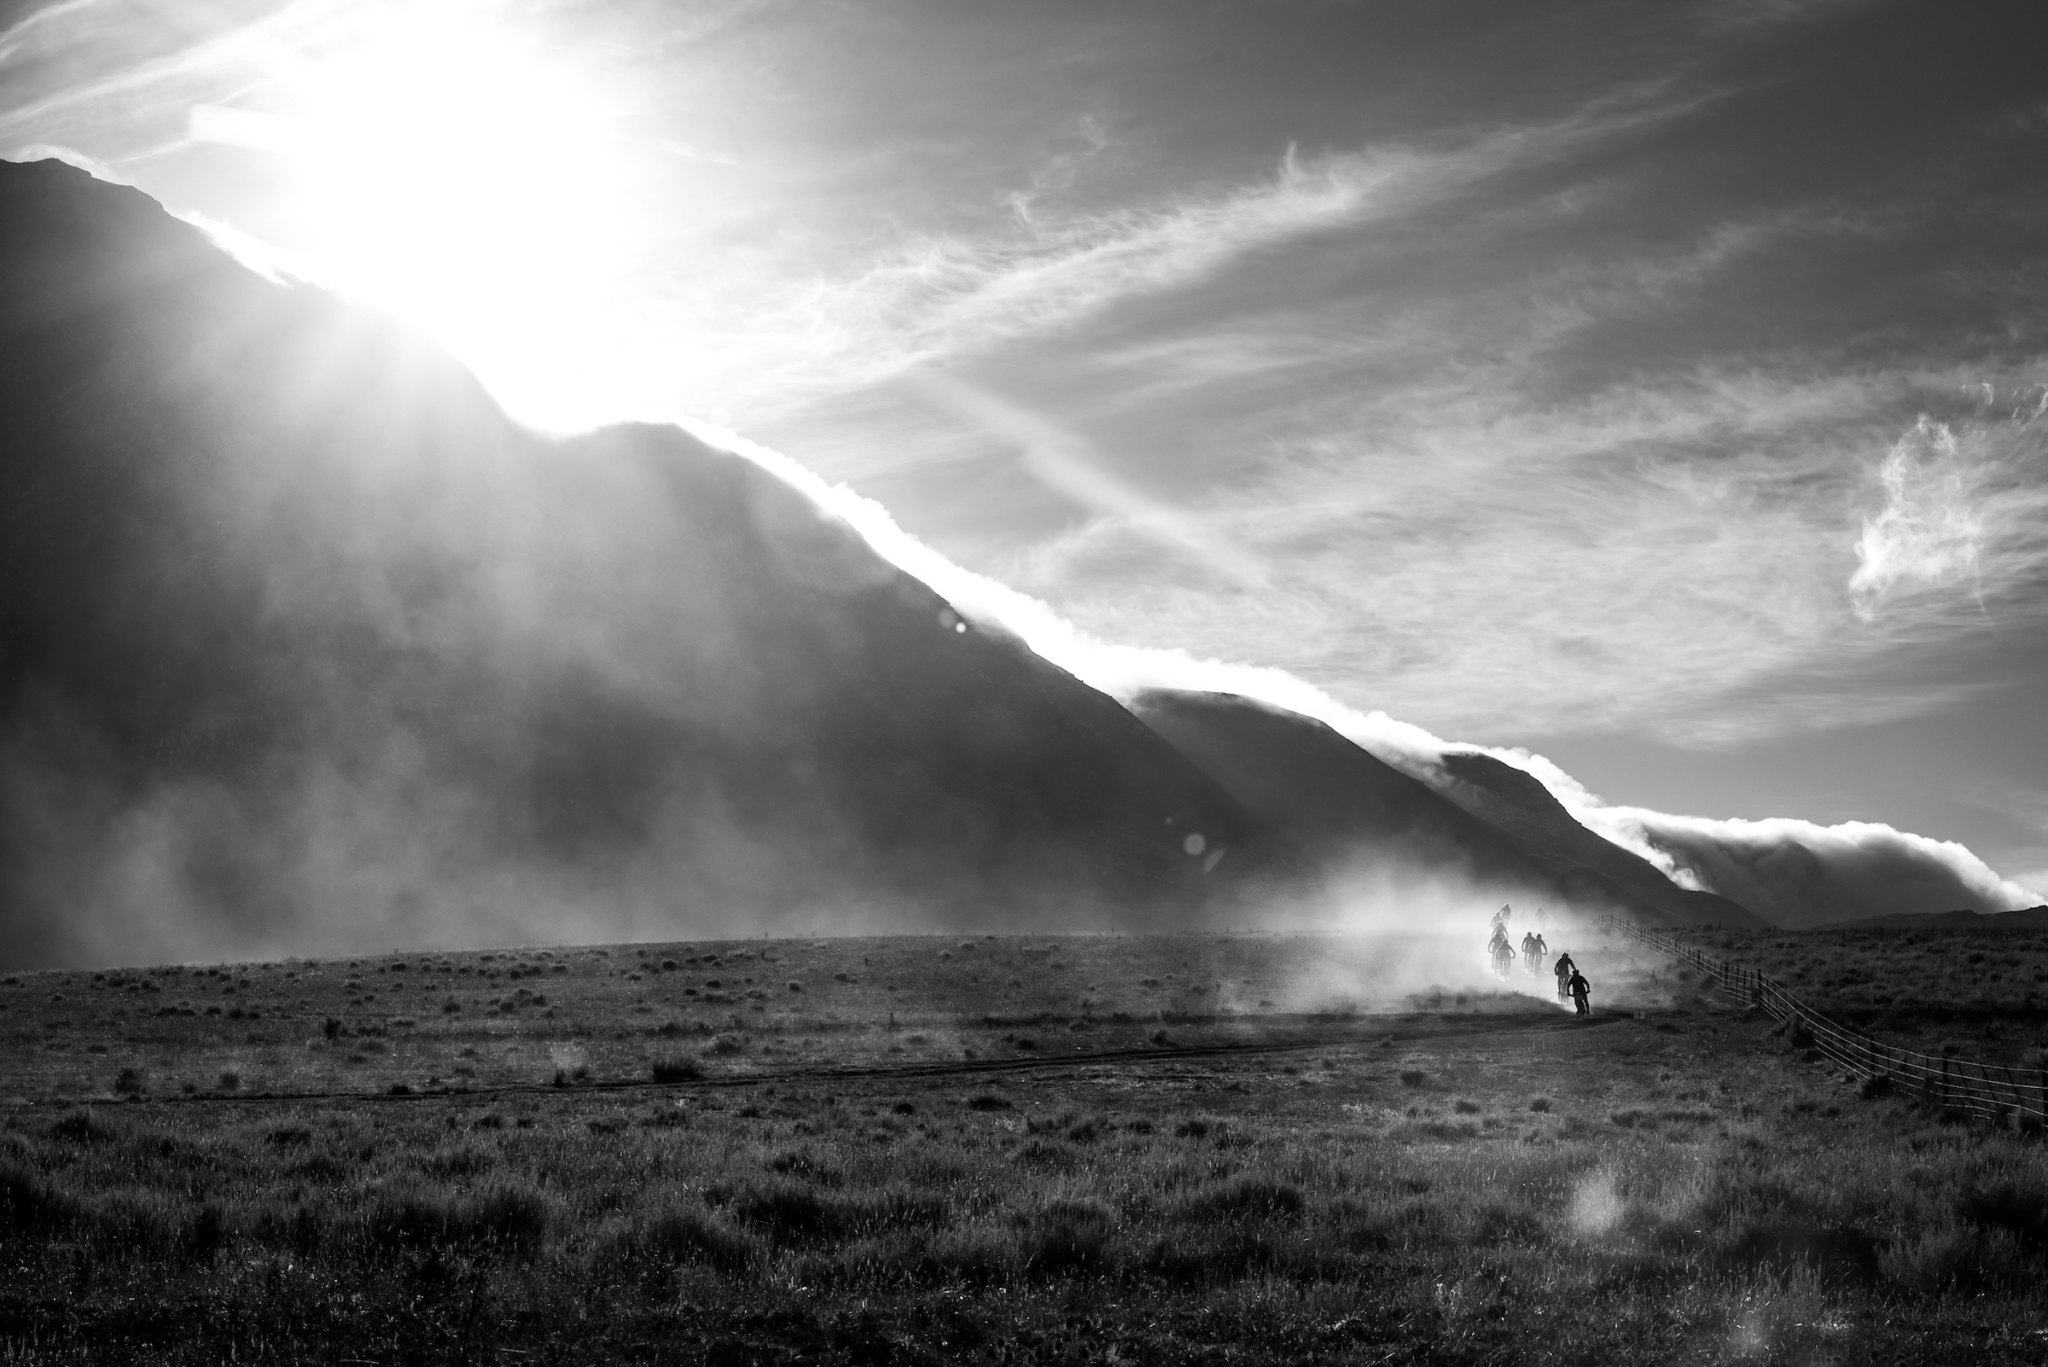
point(1516, 801)
point(305, 647)
point(1352, 810)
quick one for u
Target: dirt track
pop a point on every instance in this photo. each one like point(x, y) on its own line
point(1406, 1029)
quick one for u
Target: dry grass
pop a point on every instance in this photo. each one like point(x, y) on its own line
point(1620, 1193)
point(1981, 994)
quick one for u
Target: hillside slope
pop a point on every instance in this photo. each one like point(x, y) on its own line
point(1353, 810)
point(1517, 802)
point(305, 647)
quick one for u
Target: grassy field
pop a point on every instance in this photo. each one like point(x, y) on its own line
point(1238, 1149)
point(1978, 994)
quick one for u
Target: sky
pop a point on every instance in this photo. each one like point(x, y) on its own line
point(1661, 389)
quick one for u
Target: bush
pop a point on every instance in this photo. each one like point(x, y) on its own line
point(978, 1255)
point(2021, 1211)
point(678, 1235)
point(1047, 1153)
point(81, 1127)
point(1067, 1237)
point(804, 1168)
point(677, 1068)
point(1413, 1077)
point(1211, 1256)
point(30, 1205)
point(504, 1217)
point(789, 1213)
point(1833, 1253)
point(1246, 1198)
point(129, 1082)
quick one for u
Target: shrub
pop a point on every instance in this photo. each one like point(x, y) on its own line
point(1245, 1198)
point(677, 1068)
point(2021, 1211)
point(81, 1127)
point(1834, 1253)
point(129, 1082)
point(31, 1205)
point(504, 1217)
point(1067, 1237)
point(988, 1101)
point(207, 1234)
point(1413, 1077)
point(1210, 1256)
point(1047, 1153)
point(805, 1168)
point(681, 1234)
point(463, 1160)
point(788, 1213)
point(978, 1255)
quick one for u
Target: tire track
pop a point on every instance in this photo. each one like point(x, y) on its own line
point(1151, 1054)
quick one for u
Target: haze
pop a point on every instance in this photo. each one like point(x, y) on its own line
point(1659, 390)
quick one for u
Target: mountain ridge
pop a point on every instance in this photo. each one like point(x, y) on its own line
point(301, 636)
point(1300, 775)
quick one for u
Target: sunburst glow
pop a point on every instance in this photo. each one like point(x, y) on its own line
point(467, 178)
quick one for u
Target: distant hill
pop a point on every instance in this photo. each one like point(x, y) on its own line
point(306, 647)
point(2029, 918)
point(1517, 802)
point(1351, 809)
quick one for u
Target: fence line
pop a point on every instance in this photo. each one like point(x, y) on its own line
point(1982, 1091)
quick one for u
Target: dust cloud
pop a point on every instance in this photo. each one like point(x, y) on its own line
point(310, 649)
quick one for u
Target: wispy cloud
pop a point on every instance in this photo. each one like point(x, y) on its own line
point(1449, 568)
point(943, 299)
point(1965, 515)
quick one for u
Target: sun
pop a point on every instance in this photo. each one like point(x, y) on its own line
point(464, 176)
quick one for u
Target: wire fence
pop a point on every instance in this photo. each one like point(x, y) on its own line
point(1982, 1091)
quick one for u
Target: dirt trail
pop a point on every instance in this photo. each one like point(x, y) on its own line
point(1409, 1030)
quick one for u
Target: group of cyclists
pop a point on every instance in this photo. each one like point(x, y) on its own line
point(1571, 984)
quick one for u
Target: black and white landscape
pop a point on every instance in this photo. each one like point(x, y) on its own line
point(859, 683)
